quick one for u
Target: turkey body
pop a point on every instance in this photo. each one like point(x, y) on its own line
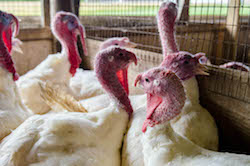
point(163, 146)
point(78, 139)
point(57, 68)
point(54, 68)
point(85, 85)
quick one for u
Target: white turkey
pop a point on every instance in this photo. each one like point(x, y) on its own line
point(193, 116)
point(12, 110)
point(57, 68)
point(161, 144)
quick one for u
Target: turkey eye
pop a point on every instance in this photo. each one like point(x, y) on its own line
point(121, 54)
point(186, 62)
point(110, 58)
point(175, 64)
point(146, 79)
point(116, 44)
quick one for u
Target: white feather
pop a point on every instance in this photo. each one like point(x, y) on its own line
point(89, 139)
point(163, 146)
point(12, 110)
point(54, 68)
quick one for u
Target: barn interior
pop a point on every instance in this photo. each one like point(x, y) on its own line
point(220, 29)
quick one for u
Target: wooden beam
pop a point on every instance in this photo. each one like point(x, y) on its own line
point(45, 13)
point(35, 34)
point(233, 26)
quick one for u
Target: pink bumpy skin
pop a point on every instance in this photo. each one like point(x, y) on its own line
point(6, 62)
point(117, 41)
point(108, 63)
point(184, 64)
point(165, 95)
point(66, 27)
point(166, 19)
point(236, 66)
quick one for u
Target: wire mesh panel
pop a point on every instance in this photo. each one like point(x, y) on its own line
point(219, 28)
point(28, 11)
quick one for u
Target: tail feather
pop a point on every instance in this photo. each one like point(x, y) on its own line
point(54, 96)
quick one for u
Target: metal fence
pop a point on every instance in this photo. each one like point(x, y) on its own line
point(28, 11)
point(221, 29)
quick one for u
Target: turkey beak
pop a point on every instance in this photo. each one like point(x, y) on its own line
point(138, 79)
point(131, 45)
point(201, 70)
point(133, 58)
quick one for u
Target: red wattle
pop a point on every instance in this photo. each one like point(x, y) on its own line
point(74, 60)
point(15, 76)
point(123, 78)
point(7, 62)
point(145, 125)
point(7, 39)
point(153, 102)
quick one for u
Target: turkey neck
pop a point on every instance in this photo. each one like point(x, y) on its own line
point(160, 143)
point(109, 81)
point(192, 90)
point(70, 48)
point(5, 59)
point(158, 138)
point(167, 35)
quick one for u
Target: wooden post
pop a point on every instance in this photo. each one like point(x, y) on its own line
point(233, 27)
point(59, 5)
point(76, 7)
point(219, 37)
point(45, 13)
point(183, 9)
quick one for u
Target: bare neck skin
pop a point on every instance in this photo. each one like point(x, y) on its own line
point(166, 22)
point(70, 48)
point(167, 35)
